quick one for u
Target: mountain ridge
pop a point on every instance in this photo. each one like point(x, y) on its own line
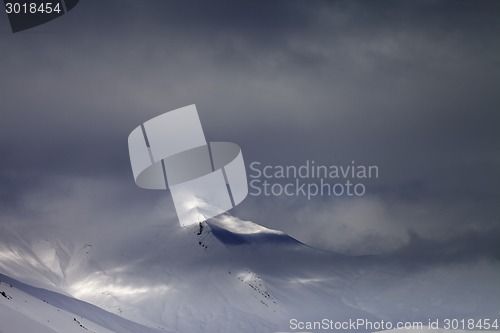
point(227, 274)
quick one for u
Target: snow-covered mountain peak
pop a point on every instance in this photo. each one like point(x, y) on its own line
point(239, 226)
point(228, 275)
point(231, 230)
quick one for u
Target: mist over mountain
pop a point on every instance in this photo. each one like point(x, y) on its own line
point(227, 274)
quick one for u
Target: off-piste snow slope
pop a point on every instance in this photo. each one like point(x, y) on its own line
point(223, 275)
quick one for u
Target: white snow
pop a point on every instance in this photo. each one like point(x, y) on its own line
point(225, 276)
point(21, 312)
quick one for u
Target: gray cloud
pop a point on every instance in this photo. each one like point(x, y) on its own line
point(409, 87)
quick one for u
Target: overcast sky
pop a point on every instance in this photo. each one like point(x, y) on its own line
point(412, 87)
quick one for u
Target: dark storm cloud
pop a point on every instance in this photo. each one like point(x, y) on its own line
point(410, 87)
